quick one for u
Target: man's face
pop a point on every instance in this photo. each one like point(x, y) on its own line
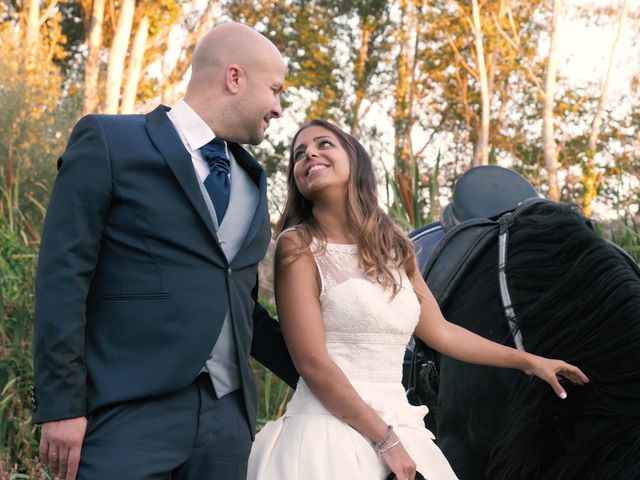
point(260, 102)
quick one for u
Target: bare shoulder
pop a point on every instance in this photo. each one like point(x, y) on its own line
point(294, 264)
point(289, 239)
point(290, 245)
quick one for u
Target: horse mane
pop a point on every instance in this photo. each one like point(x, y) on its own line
point(578, 299)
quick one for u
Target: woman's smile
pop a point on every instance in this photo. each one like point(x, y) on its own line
point(316, 167)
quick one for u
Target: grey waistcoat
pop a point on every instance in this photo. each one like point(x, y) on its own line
point(222, 364)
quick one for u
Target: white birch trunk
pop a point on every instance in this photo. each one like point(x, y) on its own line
point(481, 153)
point(135, 66)
point(597, 119)
point(92, 65)
point(117, 55)
point(174, 76)
point(548, 139)
point(365, 33)
point(32, 32)
point(591, 177)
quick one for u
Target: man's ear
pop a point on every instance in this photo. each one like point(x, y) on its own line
point(234, 77)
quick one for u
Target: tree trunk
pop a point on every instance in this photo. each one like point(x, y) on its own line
point(360, 71)
point(32, 35)
point(117, 55)
point(597, 119)
point(590, 176)
point(135, 66)
point(92, 65)
point(548, 140)
point(175, 76)
point(481, 153)
point(402, 115)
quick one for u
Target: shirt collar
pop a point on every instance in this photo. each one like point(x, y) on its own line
point(195, 131)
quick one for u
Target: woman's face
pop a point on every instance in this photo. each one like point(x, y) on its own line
point(320, 162)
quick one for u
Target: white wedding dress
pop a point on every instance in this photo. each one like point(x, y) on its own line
point(366, 334)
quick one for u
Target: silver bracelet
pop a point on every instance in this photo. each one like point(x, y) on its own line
point(379, 444)
point(386, 448)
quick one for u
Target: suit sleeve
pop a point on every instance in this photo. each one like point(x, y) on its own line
point(73, 228)
point(268, 346)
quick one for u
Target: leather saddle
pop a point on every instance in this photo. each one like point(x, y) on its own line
point(485, 192)
point(447, 249)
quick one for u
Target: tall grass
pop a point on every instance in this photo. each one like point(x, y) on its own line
point(273, 393)
point(624, 234)
point(18, 438)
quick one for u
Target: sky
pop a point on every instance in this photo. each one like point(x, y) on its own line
point(584, 49)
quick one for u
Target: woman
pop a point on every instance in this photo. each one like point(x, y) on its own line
point(349, 296)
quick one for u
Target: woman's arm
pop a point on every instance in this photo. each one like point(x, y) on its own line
point(297, 297)
point(457, 342)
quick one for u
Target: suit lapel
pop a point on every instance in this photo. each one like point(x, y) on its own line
point(166, 139)
point(248, 162)
point(258, 176)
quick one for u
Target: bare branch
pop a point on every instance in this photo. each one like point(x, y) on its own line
point(516, 47)
point(459, 58)
point(597, 120)
point(48, 11)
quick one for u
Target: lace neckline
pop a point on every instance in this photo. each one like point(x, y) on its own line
point(343, 247)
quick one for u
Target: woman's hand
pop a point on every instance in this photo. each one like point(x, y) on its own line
point(549, 370)
point(399, 461)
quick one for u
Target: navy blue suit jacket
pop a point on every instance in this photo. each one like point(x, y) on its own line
point(132, 285)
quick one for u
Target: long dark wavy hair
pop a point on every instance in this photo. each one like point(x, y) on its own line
point(382, 246)
point(586, 310)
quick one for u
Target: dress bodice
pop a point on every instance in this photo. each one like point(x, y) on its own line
point(366, 328)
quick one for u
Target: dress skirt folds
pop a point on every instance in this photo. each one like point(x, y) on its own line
point(310, 443)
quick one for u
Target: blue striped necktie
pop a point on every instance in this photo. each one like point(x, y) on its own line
point(218, 182)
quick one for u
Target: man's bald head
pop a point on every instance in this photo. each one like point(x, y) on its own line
point(233, 43)
point(234, 70)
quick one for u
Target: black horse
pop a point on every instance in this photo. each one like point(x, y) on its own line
point(575, 297)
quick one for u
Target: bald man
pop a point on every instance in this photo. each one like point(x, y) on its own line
point(146, 308)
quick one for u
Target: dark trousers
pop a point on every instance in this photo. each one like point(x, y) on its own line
point(186, 435)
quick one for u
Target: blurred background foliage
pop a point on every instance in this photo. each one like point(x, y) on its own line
point(430, 88)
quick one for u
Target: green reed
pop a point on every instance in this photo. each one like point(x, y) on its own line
point(18, 437)
point(624, 233)
point(273, 393)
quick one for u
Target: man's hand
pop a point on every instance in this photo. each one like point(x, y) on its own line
point(60, 444)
